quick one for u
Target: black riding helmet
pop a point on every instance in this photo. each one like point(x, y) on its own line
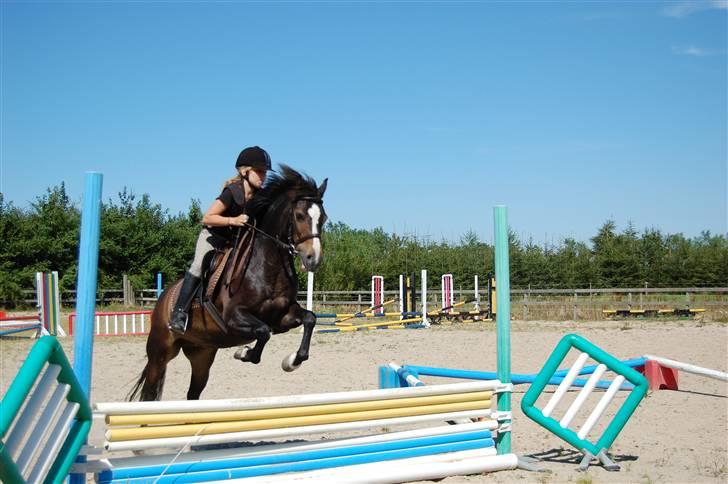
point(254, 156)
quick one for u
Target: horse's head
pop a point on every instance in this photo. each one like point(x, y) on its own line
point(290, 207)
point(309, 217)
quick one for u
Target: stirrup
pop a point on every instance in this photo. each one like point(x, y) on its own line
point(176, 327)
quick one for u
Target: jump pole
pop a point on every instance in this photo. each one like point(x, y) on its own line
point(159, 285)
point(423, 276)
point(477, 294)
point(688, 368)
point(503, 321)
point(402, 305)
point(377, 300)
point(309, 292)
point(88, 259)
point(447, 292)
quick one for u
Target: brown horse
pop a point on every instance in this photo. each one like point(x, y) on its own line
point(288, 216)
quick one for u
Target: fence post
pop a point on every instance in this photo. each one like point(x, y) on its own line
point(125, 289)
point(576, 297)
point(642, 305)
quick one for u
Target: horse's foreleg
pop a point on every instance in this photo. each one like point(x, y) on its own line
point(251, 327)
point(200, 360)
point(294, 360)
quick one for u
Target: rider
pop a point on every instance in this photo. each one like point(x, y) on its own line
point(219, 222)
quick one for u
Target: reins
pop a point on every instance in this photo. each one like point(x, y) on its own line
point(291, 245)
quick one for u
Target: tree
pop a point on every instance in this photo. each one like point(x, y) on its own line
point(140, 238)
point(49, 238)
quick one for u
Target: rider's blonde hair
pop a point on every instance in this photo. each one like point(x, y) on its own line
point(242, 171)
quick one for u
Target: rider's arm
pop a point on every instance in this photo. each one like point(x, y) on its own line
point(214, 218)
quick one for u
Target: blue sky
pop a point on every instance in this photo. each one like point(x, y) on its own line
point(422, 115)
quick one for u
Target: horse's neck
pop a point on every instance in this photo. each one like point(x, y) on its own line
point(273, 256)
point(271, 225)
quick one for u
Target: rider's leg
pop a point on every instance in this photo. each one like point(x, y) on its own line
point(178, 322)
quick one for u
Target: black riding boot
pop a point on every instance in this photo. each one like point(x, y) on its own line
point(178, 324)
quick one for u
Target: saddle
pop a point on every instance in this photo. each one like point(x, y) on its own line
point(228, 265)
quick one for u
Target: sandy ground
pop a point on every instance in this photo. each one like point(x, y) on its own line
point(672, 437)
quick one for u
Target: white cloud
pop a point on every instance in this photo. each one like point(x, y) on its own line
point(689, 50)
point(693, 51)
point(683, 9)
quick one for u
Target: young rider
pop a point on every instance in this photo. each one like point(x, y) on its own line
point(220, 222)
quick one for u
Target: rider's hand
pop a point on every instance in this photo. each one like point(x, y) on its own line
point(238, 221)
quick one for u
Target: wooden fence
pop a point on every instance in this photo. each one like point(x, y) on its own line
point(526, 303)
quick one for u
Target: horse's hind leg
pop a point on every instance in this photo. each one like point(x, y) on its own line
point(200, 360)
point(161, 348)
point(158, 355)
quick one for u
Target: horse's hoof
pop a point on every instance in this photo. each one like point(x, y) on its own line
point(241, 353)
point(287, 363)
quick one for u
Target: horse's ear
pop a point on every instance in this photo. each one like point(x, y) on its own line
point(322, 188)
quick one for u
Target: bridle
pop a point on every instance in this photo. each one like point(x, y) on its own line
point(290, 245)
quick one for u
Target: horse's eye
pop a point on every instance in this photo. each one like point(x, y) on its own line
point(300, 217)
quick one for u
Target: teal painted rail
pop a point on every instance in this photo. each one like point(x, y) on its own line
point(40, 443)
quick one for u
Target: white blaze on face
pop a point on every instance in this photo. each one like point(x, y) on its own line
point(315, 213)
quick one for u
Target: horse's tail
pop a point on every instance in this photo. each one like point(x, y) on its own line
point(150, 383)
point(136, 392)
point(146, 391)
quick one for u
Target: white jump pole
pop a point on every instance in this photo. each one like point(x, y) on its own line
point(477, 294)
point(309, 292)
point(401, 296)
point(423, 277)
point(688, 368)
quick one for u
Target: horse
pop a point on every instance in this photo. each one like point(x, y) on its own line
point(286, 219)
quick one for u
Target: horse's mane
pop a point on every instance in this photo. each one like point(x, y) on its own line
point(272, 202)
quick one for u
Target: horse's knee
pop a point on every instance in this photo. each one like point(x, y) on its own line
point(262, 333)
point(308, 319)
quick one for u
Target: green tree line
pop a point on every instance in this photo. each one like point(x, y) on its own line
point(140, 238)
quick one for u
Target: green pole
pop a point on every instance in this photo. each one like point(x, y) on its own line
point(503, 320)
